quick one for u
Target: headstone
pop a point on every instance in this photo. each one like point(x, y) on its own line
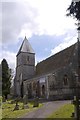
point(25, 101)
point(9, 96)
point(17, 105)
point(36, 102)
point(76, 107)
point(25, 106)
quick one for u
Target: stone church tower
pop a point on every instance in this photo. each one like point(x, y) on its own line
point(25, 66)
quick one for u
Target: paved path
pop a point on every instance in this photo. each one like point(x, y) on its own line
point(48, 108)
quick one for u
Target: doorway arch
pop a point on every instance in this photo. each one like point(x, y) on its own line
point(43, 90)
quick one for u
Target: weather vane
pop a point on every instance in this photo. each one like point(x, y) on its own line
point(25, 34)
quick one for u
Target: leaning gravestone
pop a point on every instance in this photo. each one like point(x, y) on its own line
point(25, 101)
point(17, 105)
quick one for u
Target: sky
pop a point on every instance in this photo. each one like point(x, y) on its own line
point(44, 23)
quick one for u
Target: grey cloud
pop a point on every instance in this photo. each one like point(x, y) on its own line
point(14, 16)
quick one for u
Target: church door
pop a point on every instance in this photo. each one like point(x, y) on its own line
point(43, 90)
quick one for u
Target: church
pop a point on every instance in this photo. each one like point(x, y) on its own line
point(56, 77)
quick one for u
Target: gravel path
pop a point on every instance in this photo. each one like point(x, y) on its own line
point(48, 108)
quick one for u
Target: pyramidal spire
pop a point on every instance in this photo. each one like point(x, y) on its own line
point(26, 47)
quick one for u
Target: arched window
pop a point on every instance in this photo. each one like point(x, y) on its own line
point(28, 58)
point(65, 80)
point(43, 90)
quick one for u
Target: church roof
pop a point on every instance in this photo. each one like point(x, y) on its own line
point(25, 47)
point(56, 61)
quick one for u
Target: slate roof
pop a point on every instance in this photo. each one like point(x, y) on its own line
point(25, 47)
point(56, 61)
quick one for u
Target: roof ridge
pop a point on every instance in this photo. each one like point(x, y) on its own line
point(56, 61)
point(57, 53)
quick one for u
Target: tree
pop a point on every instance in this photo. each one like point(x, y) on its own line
point(0, 80)
point(6, 78)
point(74, 11)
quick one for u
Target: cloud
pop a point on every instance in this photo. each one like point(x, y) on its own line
point(17, 17)
point(52, 18)
point(34, 17)
point(10, 57)
point(68, 41)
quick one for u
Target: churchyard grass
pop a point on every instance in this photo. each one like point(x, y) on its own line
point(64, 112)
point(8, 110)
point(0, 107)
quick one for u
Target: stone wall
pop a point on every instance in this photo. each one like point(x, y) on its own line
point(59, 83)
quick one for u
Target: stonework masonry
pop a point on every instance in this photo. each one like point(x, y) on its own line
point(54, 78)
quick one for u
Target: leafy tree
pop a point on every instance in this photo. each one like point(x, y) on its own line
point(0, 73)
point(0, 80)
point(74, 11)
point(6, 78)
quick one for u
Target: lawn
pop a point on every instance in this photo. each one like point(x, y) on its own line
point(7, 110)
point(0, 113)
point(63, 112)
point(0, 107)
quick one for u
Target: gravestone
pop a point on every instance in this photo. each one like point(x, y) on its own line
point(36, 102)
point(76, 103)
point(17, 105)
point(9, 96)
point(25, 101)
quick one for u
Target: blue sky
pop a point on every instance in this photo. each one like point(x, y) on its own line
point(46, 27)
